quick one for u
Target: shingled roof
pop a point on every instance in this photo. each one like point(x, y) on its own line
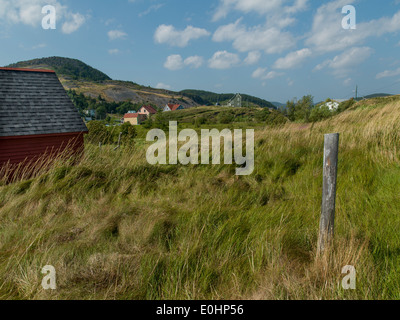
point(34, 102)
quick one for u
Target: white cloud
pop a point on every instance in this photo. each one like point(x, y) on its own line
point(152, 8)
point(169, 35)
point(174, 62)
point(194, 62)
point(161, 85)
point(262, 7)
point(263, 74)
point(223, 60)
point(269, 39)
point(246, 6)
point(252, 58)
point(347, 82)
point(113, 51)
point(29, 12)
point(116, 34)
point(388, 73)
point(342, 64)
point(328, 35)
point(76, 20)
point(293, 59)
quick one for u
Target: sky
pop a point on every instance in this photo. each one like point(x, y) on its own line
point(272, 49)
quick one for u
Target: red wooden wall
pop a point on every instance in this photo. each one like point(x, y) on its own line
point(14, 150)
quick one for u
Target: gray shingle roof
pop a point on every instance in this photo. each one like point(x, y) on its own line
point(34, 103)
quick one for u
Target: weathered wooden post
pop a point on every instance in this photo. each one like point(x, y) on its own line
point(119, 142)
point(327, 223)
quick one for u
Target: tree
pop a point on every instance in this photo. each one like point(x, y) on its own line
point(101, 113)
point(291, 109)
point(303, 108)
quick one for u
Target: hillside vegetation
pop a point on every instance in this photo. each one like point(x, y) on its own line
point(66, 67)
point(115, 227)
point(211, 98)
point(83, 79)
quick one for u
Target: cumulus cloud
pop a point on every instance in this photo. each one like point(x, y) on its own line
point(388, 73)
point(293, 59)
point(176, 62)
point(264, 74)
point(328, 35)
point(223, 60)
point(342, 64)
point(268, 39)
point(75, 21)
point(194, 62)
point(116, 34)
point(252, 58)
point(29, 12)
point(178, 38)
point(261, 7)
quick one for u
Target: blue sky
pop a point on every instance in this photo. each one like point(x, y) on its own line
point(273, 49)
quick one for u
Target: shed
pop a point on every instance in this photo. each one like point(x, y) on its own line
point(37, 118)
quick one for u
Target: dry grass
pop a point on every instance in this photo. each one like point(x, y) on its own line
point(115, 227)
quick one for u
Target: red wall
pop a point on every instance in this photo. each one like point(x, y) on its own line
point(29, 148)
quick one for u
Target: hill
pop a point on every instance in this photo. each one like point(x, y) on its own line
point(82, 78)
point(377, 95)
point(66, 67)
point(116, 227)
point(278, 105)
point(211, 98)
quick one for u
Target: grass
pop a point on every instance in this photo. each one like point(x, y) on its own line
point(115, 227)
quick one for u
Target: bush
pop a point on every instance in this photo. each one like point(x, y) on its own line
point(346, 105)
point(226, 117)
point(320, 112)
point(98, 132)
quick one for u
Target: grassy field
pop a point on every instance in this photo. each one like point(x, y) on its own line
point(115, 227)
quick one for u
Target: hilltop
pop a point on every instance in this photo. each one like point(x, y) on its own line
point(82, 78)
point(66, 67)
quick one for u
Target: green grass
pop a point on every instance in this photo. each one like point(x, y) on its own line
point(115, 227)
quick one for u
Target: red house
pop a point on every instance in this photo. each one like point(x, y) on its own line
point(147, 110)
point(173, 107)
point(37, 118)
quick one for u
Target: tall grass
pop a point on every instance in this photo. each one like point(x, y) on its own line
point(115, 227)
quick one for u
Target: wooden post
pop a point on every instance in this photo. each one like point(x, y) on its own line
point(327, 223)
point(119, 142)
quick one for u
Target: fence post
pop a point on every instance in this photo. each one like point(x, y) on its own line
point(119, 142)
point(327, 223)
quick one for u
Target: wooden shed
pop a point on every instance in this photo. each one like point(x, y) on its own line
point(37, 118)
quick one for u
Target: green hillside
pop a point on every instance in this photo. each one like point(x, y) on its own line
point(73, 68)
point(116, 227)
point(211, 98)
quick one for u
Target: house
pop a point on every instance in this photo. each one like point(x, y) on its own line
point(236, 101)
point(172, 107)
point(135, 119)
point(37, 118)
point(147, 110)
